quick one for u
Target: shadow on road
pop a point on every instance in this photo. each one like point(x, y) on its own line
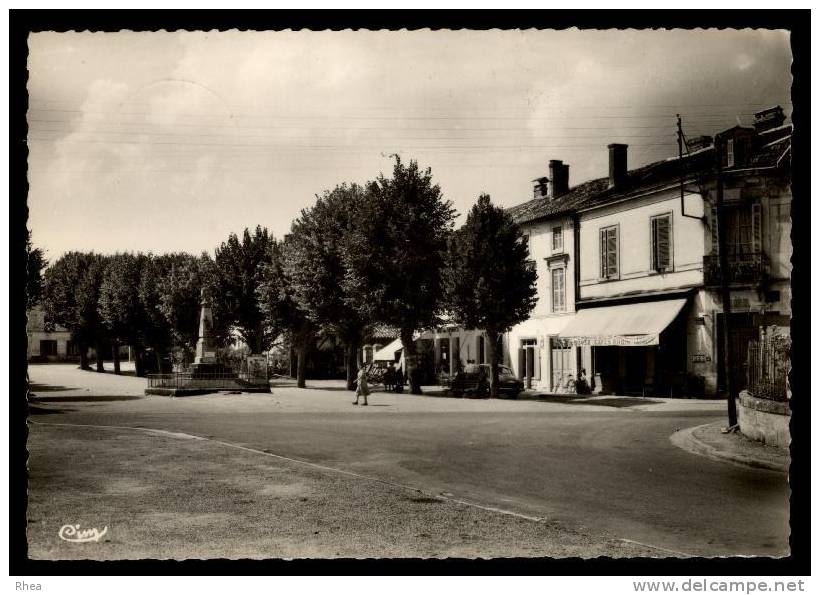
point(617, 402)
point(48, 388)
point(35, 410)
point(86, 398)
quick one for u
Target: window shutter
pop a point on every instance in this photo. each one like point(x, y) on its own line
point(662, 251)
point(612, 252)
point(603, 252)
point(653, 232)
point(756, 228)
point(536, 357)
point(713, 228)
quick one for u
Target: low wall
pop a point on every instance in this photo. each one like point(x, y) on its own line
point(764, 420)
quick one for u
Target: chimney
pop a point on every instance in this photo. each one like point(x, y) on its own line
point(769, 118)
point(539, 187)
point(617, 164)
point(559, 174)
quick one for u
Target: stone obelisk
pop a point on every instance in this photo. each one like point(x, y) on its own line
point(206, 345)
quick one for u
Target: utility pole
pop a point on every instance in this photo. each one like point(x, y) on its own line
point(725, 294)
point(681, 141)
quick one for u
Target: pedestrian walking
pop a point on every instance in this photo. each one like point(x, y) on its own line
point(361, 386)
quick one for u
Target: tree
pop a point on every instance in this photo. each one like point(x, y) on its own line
point(489, 283)
point(70, 299)
point(121, 310)
point(156, 330)
point(234, 278)
point(397, 253)
point(179, 294)
point(35, 263)
point(320, 238)
point(282, 315)
point(60, 304)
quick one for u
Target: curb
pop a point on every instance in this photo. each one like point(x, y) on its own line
point(686, 440)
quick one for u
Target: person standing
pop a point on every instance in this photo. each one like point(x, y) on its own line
point(361, 386)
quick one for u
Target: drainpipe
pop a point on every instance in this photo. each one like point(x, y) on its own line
point(576, 264)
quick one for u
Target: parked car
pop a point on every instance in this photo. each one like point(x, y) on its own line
point(474, 380)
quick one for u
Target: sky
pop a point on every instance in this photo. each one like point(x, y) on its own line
point(159, 142)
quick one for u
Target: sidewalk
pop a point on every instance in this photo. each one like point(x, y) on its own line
point(708, 441)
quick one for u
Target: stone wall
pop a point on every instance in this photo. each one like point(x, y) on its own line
point(764, 420)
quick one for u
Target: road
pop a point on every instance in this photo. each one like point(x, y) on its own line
point(607, 470)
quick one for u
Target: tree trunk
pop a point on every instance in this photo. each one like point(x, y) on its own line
point(301, 362)
point(492, 351)
point(84, 357)
point(99, 355)
point(139, 362)
point(351, 368)
point(158, 355)
point(115, 351)
point(408, 345)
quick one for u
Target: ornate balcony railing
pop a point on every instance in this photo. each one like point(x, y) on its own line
point(743, 269)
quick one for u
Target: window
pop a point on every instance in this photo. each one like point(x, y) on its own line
point(730, 152)
point(661, 232)
point(48, 347)
point(558, 289)
point(557, 239)
point(609, 252)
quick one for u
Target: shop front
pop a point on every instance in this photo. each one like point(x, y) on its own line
point(637, 348)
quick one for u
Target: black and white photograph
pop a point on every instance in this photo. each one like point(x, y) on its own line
point(409, 294)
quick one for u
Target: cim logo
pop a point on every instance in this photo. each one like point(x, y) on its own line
point(74, 534)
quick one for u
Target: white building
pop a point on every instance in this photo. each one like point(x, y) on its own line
point(47, 344)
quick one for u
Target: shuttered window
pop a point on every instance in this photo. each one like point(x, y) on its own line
point(661, 232)
point(609, 252)
point(558, 289)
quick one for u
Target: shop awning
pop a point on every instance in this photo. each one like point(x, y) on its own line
point(627, 325)
point(388, 352)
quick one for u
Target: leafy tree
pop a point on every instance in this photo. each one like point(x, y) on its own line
point(60, 302)
point(70, 299)
point(234, 278)
point(282, 315)
point(178, 292)
point(121, 310)
point(35, 263)
point(397, 252)
point(156, 330)
point(320, 238)
point(489, 283)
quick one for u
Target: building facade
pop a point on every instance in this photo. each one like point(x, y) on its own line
point(642, 312)
point(47, 344)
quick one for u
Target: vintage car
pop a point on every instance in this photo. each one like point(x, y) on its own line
point(474, 381)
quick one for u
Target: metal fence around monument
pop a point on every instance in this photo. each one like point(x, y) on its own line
point(216, 381)
point(767, 372)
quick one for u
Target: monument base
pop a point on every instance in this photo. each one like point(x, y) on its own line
point(210, 369)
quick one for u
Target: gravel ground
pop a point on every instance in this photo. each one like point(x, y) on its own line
point(164, 496)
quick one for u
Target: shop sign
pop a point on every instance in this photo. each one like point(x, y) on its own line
point(614, 340)
point(700, 358)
